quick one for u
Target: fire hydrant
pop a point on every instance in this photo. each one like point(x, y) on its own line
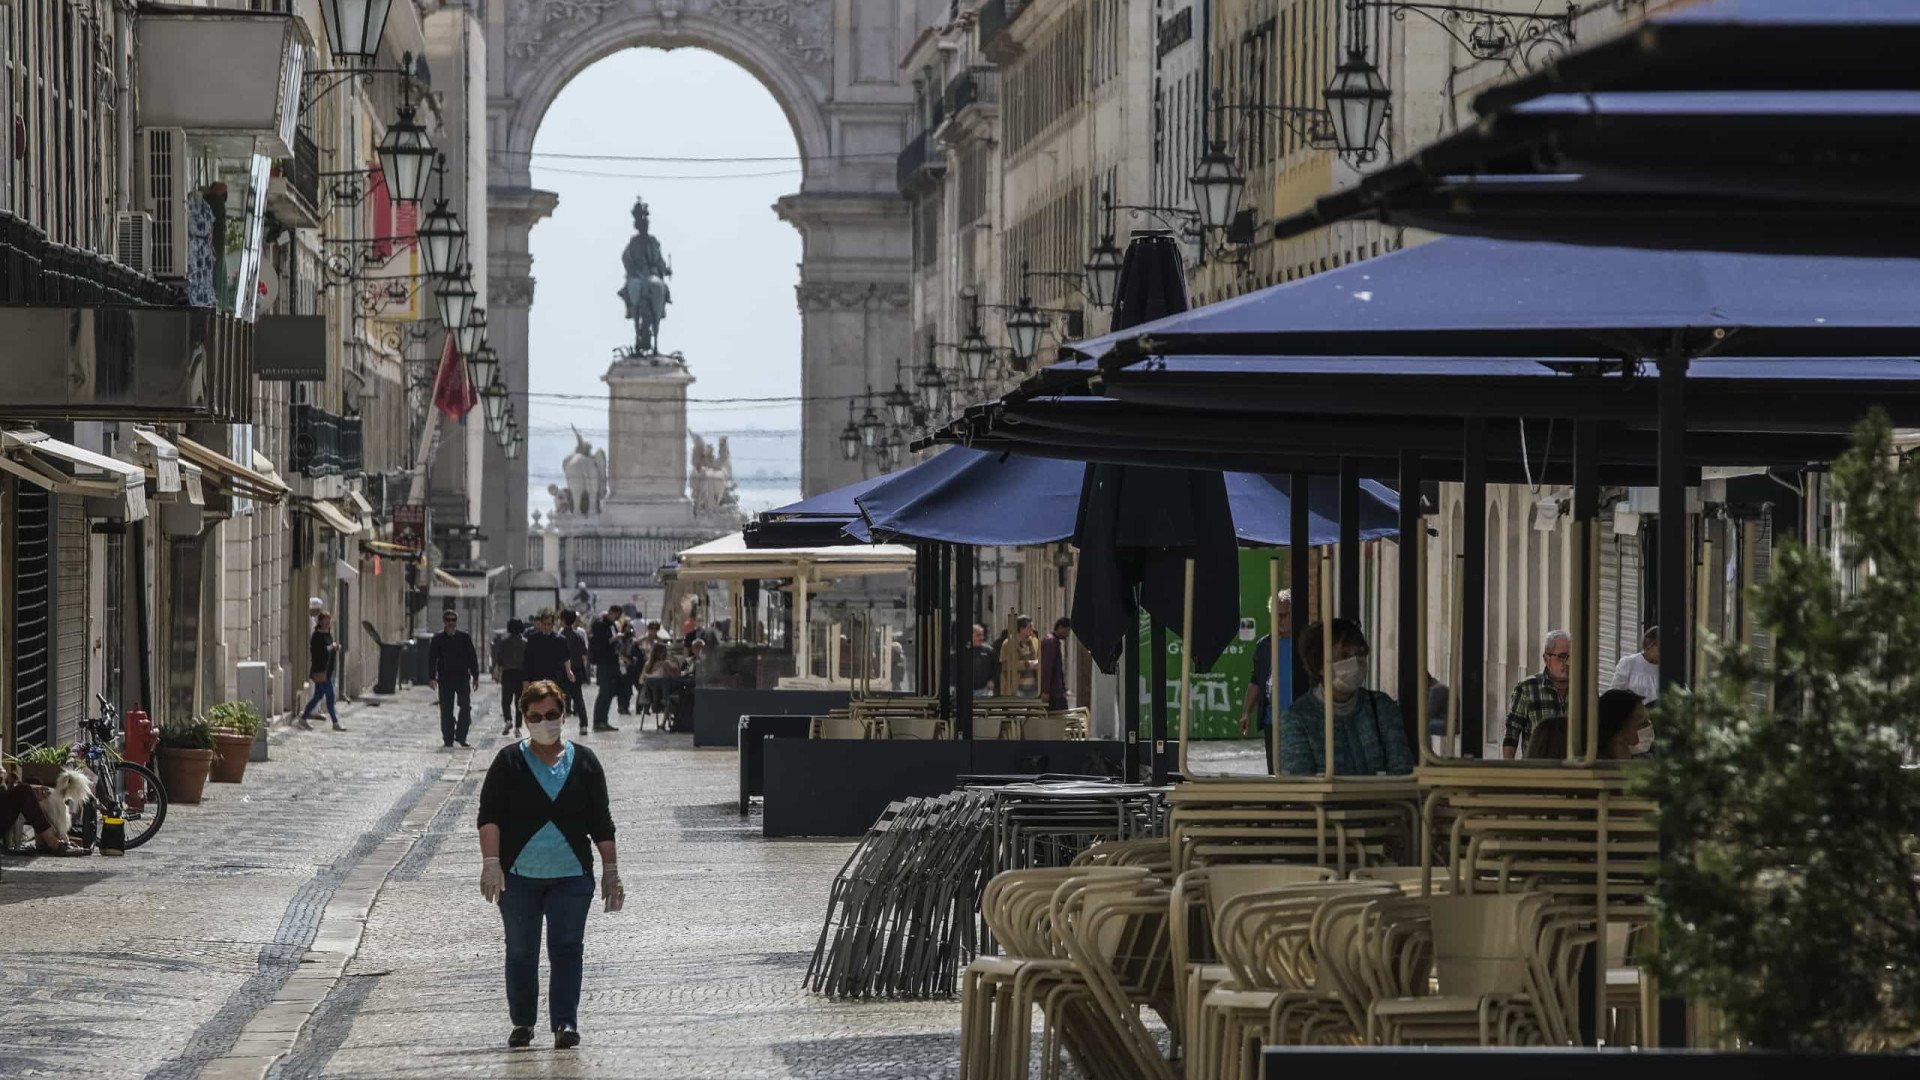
point(141, 741)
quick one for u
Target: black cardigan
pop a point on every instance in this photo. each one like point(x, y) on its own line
point(513, 799)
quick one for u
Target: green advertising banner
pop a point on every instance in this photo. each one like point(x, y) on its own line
point(1218, 695)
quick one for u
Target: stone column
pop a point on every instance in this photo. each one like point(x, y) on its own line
point(511, 214)
point(855, 316)
point(647, 430)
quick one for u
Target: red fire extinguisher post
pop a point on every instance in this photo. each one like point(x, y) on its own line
point(141, 740)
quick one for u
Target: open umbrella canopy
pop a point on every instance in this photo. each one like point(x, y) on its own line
point(1741, 44)
point(816, 521)
point(1780, 172)
point(1472, 297)
point(966, 496)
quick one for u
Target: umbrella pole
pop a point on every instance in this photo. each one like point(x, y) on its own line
point(1326, 651)
point(1186, 670)
point(1454, 659)
point(1272, 688)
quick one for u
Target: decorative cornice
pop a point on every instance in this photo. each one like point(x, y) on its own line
point(852, 295)
point(511, 290)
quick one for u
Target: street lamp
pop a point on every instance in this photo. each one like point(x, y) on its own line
point(898, 401)
point(406, 158)
point(513, 448)
point(1217, 184)
point(974, 350)
point(441, 237)
point(1357, 103)
point(1024, 327)
point(354, 27)
point(483, 364)
point(493, 401)
point(893, 448)
point(472, 332)
point(509, 425)
point(932, 386)
point(1103, 272)
point(850, 437)
point(455, 299)
point(870, 424)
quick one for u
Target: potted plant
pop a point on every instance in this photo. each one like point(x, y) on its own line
point(42, 764)
point(186, 754)
point(234, 724)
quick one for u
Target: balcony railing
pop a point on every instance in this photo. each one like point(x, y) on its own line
point(974, 86)
point(922, 160)
point(993, 18)
point(35, 271)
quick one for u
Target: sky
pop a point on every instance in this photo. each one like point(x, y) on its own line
point(735, 262)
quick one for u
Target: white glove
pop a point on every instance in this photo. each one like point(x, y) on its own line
point(611, 891)
point(493, 880)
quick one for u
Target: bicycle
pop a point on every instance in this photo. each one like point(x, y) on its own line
point(131, 789)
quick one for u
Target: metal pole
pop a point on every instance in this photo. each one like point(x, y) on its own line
point(963, 623)
point(1582, 731)
point(1299, 558)
point(1130, 699)
point(1676, 644)
point(1350, 541)
point(1473, 588)
point(1413, 541)
point(944, 554)
point(1157, 688)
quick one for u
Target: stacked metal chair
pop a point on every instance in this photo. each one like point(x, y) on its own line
point(1005, 717)
point(1342, 825)
point(901, 914)
point(1051, 824)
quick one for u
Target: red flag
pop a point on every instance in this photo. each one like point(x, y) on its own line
point(453, 392)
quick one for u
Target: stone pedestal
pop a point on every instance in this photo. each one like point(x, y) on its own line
point(647, 442)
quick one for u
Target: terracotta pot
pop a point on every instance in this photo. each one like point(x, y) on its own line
point(231, 752)
point(40, 773)
point(184, 773)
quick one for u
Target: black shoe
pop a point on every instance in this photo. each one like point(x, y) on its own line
point(520, 1036)
point(463, 742)
point(565, 1037)
point(583, 729)
point(605, 727)
point(446, 746)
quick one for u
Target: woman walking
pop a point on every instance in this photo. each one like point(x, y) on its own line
point(543, 808)
point(321, 650)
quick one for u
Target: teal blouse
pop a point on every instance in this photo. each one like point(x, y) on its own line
point(547, 855)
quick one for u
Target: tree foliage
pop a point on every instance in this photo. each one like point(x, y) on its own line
point(1788, 895)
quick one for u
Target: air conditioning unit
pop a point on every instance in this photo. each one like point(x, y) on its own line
point(133, 240)
point(164, 181)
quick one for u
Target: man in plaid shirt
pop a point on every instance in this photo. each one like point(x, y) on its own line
point(1539, 698)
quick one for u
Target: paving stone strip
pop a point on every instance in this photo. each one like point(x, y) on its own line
point(341, 918)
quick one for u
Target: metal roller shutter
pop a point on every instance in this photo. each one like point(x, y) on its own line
point(32, 616)
point(70, 618)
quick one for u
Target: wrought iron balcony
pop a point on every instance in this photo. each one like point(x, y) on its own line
point(974, 86)
point(921, 162)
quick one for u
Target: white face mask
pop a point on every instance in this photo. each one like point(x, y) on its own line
point(1643, 742)
point(1349, 675)
point(544, 732)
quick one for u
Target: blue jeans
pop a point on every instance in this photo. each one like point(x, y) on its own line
point(321, 690)
point(564, 903)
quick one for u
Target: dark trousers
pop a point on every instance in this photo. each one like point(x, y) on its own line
point(1057, 701)
point(607, 674)
point(625, 700)
point(23, 801)
point(562, 903)
point(459, 688)
point(576, 703)
point(511, 684)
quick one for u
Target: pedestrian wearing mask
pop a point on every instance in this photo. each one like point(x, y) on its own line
point(543, 809)
point(1368, 738)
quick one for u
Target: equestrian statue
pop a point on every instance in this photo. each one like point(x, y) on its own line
point(645, 292)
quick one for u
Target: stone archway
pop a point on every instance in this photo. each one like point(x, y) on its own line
point(832, 67)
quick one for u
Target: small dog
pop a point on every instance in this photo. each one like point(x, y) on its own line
point(59, 802)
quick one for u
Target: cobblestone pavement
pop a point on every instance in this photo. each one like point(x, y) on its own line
point(149, 966)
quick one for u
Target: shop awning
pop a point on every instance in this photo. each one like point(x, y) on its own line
point(360, 501)
point(231, 476)
point(36, 457)
point(388, 550)
point(729, 558)
point(192, 484)
point(464, 584)
point(332, 516)
point(165, 456)
point(816, 521)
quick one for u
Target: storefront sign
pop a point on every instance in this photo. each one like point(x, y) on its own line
point(410, 526)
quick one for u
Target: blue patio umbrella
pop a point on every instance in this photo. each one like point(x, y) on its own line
point(815, 521)
point(966, 496)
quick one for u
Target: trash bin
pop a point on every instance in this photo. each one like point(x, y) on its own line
point(391, 655)
point(420, 666)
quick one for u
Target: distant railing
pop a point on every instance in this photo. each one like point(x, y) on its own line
point(920, 159)
point(974, 86)
point(303, 170)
